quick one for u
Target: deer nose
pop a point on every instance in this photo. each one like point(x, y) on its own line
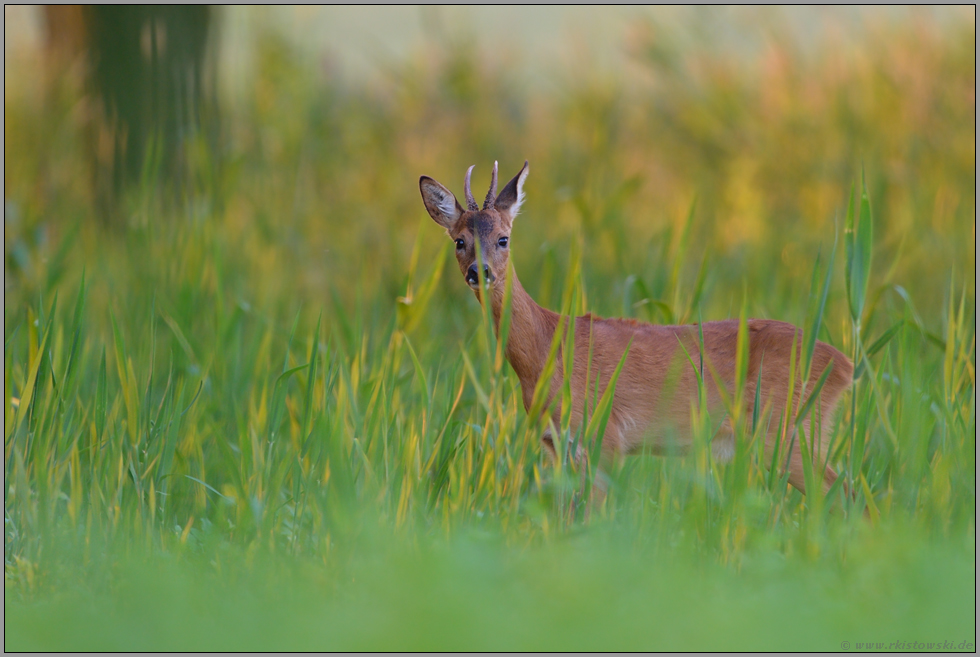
point(471, 275)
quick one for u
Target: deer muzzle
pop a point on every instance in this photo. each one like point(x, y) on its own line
point(472, 279)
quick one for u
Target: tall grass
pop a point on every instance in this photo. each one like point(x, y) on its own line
point(279, 409)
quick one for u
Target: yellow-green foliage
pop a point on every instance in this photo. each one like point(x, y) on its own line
point(281, 359)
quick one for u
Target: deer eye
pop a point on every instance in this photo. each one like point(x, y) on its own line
point(460, 244)
point(502, 242)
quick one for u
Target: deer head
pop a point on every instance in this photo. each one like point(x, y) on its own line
point(488, 227)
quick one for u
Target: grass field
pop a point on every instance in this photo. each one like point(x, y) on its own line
point(266, 413)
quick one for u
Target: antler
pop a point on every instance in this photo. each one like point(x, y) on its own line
point(470, 201)
point(492, 194)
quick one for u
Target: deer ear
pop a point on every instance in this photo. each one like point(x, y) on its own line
point(512, 196)
point(443, 207)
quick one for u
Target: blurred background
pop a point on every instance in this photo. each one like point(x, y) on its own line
point(302, 131)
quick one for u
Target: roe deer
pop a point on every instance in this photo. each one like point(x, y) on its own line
point(644, 414)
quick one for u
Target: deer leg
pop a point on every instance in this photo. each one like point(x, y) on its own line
point(795, 466)
point(598, 488)
point(607, 456)
point(793, 463)
point(613, 447)
point(549, 444)
point(797, 478)
point(723, 444)
point(820, 456)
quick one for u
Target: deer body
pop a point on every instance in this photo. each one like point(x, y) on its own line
point(657, 387)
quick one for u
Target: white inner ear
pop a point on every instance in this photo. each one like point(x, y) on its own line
point(516, 207)
point(446, 204)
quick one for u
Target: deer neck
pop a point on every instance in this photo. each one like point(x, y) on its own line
point(530, 334)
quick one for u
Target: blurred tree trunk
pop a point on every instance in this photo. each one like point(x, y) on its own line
point(148, 71)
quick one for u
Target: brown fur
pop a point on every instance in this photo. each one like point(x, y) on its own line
point(657, 387)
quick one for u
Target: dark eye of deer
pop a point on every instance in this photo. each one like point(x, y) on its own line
point(460, 245)
point(502, 242)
